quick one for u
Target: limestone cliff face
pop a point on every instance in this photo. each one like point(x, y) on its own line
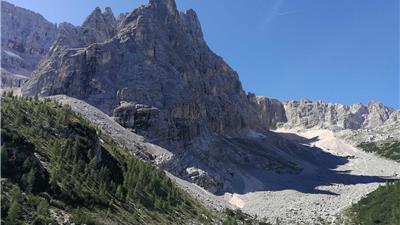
point(154, 56)
point(25, 38)
point(270, 112)
point(317, 114)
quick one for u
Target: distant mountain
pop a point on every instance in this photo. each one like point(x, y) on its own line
point(25, 38)
point(317, 114)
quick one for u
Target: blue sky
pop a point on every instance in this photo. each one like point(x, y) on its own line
point(344, 51)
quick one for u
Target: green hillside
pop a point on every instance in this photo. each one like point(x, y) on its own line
point(381, 206)
point(55, 165)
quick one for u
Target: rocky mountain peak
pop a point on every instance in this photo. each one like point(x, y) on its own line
point(98, 18)
point(104, 23)
point(191, 21)
point(108, 12)
point(168, 6)
point(157, 57)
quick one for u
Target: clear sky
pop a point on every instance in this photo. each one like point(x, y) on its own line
point(344, 51)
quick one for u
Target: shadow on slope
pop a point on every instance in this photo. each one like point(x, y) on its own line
point(248, 163)
point(270, 162)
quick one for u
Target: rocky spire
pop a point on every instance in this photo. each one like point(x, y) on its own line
point(168, 4)
point(192, 23)
point(102, 24)
point(164, 8)
point(108, 16)
point(98, 20)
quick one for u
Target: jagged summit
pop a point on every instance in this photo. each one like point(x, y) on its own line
point(98, 18)
point(102, 24)
point(156, 57)
point(168, 6)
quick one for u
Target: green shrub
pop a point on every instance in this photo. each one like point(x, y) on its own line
point(381, 206)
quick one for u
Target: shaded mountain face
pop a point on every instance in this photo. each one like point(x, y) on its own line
point(25, 38)
point(154, 56)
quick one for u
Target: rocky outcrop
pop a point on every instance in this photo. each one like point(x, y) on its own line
point(10, 80)
point(270, 112)
point(201, 177)
point(25, 38)
point(317, 114)
point(134, 116)
point(98, 27)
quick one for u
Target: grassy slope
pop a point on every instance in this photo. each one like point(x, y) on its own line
point(389, 148)
point(379, 207)
point(53, 156)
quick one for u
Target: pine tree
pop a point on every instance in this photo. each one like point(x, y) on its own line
point(27, 163)
point(15, 207)
point(4, 157)
point(120, 193)
point(30, 179)
point(15, 193)
point(42, 208)
point(104, 174)
point(13, 213)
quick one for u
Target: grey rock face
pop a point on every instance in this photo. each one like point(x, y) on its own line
point(25, 38)
point(154, 56)
point(317, 114)
point(137, 117)
point(10, 80)
point(270, 112)
point(201, 177)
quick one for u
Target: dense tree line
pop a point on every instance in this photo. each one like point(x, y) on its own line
point(48, 149)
